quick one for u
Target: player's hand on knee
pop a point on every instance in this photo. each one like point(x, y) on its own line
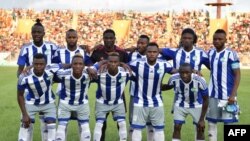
point(26, 121)
point(231, 99)
point(201, 126)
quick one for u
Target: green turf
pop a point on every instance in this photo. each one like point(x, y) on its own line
point(10, 113)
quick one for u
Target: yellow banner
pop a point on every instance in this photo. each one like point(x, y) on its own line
point(121, 28)
point(24, 26)
point(216, 24)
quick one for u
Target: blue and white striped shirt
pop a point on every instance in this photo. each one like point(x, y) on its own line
point(196, 57)
point(29, 50)
point(39, 88)
point(73, 91)
point(148, 82)
point(188, 95)
point(133, 57)
point(64, 56)
point(110, 88)
point(222, 76)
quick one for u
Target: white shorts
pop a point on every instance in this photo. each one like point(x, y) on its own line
point(82, 111)
point(49, 111)
point(217, 114)
point(143, 115)
point(180, 114)
point(118, 111)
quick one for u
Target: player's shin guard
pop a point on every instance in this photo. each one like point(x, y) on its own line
point(51, 131)
point(159, 135)
point(122, 130)
point(43, 127)
point(150, 133)
point(136, 135)
point(98, 131)
point(25, 134)
point(85, 132)
point(212, 131)
point(61, 132)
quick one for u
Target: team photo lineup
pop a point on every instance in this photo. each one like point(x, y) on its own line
point(111, 67)
point(54, 78)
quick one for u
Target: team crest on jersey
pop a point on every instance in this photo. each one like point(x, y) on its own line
point(121, 80)
point(223, 59)
point(194, 58)
point(47, 52)
point(50, 77)
point(194, 89)
point(159, 71)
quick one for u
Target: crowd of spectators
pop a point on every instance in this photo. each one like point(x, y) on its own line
point(162, 27)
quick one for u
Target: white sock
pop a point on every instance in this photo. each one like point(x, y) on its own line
point(122, 130)
point(51, 131)
point(159, 135)
point(150, 133)
point(176, 140)
point(61, 132)
point(212, 131)
point(200, 140)
point(43, 128)
point(98, 131)
point(85, 132)
point(136, 135)
point(25, 133)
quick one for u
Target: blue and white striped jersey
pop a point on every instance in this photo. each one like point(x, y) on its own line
point(29, 50)
point(148, 82)
point(110, 88)
point(73, 91)
point(195, 57)
point(132, 57)
point(189, 95)
point(136, 55)
point(222, 77)
point(39, 89)
point(64, 56)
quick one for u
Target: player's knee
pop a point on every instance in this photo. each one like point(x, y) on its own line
point(136, 135)
point(85, 127)
point(122, 124)
point(200, 135)
point(177, 127)
point(99, 125)
point(85, 134)
point(159, 135)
